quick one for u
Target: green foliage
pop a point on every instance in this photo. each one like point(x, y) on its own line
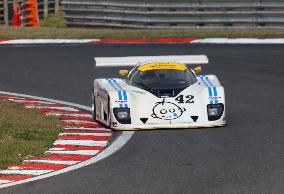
point(54, 21)
point(92, 33)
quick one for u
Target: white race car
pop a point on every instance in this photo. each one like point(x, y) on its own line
point(159, 92)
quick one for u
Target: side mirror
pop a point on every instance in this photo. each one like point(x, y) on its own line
point(123, 72)
point(197, 69)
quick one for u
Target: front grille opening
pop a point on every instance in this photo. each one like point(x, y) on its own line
point(166, 93)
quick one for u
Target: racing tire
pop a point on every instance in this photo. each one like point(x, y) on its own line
point(94, 108)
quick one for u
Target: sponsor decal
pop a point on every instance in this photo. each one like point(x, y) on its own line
point(214, 97)
point(162, 65)
point(114, 124)
point(120, 101)
point(167, 110)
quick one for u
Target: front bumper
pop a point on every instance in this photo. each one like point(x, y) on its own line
point(131, 127)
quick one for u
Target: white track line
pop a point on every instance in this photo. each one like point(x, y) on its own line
point(79, 121)
point(52, 107)
point(87, 128)
point(80, 142)
point(32, 102)
point(25, 172)
point(70, 115)
point(56, 149)
point(4, 181)
point(116, 145)
point(239, 41)
point(76, 152)
point(49, 41)
point(52, 161)
point(86, 134)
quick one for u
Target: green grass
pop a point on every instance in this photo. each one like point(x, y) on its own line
point(24, 133)
point(54, 21)
point(78, 33)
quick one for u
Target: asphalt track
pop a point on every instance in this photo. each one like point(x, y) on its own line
point(247, 156)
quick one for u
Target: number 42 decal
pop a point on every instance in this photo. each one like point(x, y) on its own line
point(185, 99)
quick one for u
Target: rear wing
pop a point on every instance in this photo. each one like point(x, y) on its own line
point(135, 60)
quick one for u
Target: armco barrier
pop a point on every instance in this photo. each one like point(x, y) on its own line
point(3, 12)
point(180, 14)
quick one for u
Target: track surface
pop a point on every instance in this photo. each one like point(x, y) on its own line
point(247, 156)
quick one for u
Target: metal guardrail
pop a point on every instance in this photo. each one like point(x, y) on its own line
point(3, 12)
point(45, 7)
point(179, 14)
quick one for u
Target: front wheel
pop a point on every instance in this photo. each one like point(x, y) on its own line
point(94, 108)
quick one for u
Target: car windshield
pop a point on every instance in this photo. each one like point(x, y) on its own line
point(161, 79)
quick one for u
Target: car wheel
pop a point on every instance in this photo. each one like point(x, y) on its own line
point(109, 117)
point(94, 108)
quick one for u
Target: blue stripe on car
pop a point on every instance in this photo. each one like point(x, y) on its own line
point(210, 87)
point(122, 95)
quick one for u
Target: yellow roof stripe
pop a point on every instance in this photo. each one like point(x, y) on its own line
point(162, 65)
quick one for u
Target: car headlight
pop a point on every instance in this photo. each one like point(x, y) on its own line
point(122, 115)
point(215, 111)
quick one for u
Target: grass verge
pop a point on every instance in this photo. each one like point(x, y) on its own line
point(24, 133)
point(78, 33)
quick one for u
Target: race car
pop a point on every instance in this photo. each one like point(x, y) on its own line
point(159, 92)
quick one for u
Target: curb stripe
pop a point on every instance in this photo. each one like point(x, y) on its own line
point(38, 166)
point(76, 118)
point(82, 114)
point(64, 157)
point(81, 142)
point(88, 128)
point(80, 121)
point(59, 108)
point(68, 163)
point(87, 125)
point(79, 152)
point(15, 178)
point(74, 147)
point(84, 137)
point(86, 134)
point(57, 111)
point(26, 172)
point(4, 181)
point(85, 131)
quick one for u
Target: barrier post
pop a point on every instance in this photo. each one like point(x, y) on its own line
point(6, 14)
point(45, 8)
point(56, 6)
